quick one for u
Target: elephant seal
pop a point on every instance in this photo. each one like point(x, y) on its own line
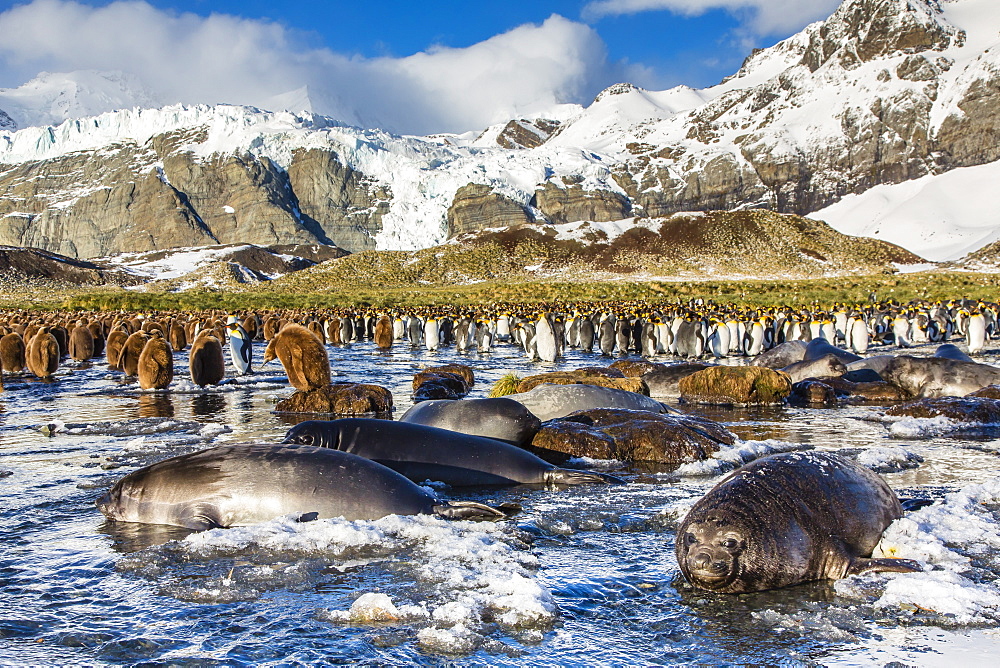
point(787, 519)
point(950, 351)
point(820, 347)
point(868, 369)
point(663, 381)
point(782, 355)
point(827, 366)
point(549, 401)
point(500, 418)
point(233, 485)
point(932, 377)
point(428, 453)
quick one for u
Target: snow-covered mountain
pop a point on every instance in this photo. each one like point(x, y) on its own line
point(50, 99)
point(884, 98)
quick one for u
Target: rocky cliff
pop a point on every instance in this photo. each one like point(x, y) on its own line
point(882, 92)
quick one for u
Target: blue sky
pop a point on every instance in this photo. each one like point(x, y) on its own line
point(453, 66)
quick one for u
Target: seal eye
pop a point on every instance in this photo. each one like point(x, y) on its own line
point(690, 539)
point(730, 543)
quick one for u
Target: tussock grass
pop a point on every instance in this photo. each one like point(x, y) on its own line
point(938, 285)
point(505, 385)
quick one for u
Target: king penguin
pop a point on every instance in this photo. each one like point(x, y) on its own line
point(975, 332)
point(240, 346)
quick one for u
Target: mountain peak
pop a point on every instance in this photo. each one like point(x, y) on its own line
point(53, 97)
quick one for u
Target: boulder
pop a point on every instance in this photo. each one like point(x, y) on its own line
point(584, 377)
point(857, 392)
point(988, 392)
point(962, 409)
point(729, 385)
point(466, 372)
point(339, 399)
point(812, 392)
point(444, 385)
point(629, 435)
point(635, 368)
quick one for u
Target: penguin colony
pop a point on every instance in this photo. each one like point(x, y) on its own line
point(696, 329)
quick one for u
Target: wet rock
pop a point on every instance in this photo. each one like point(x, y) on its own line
point(443, 385)
point(727, 385)
point(465, 371)
point(961, 409)
point(628, 435)
point(813, 393)
point(340, 399)
point(635, 368)
point(663, 382)
point(877, 391)
point(584, 377)
point(988, 392)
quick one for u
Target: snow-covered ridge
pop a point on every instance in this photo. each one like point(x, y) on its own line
point(777, 110)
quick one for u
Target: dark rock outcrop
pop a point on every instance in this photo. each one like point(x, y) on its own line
point(340, 399)
point(727, 385)
point(626, 435)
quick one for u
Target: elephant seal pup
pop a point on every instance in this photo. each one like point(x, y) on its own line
point(950, 351)
point(932, 377)
point(787, 519)
point(820, 347)
point(868, 369)
point(233, 485)
point(828, 366)
point(782, 355)
point(548, 401)
point(501, 418)
point(428, 453)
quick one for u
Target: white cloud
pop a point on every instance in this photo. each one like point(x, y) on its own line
point(183, 57)
point(762, 17)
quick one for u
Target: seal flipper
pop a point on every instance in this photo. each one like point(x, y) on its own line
point(469, 510)
point(200, 516)
point(860, 565)
point(910, 505)
point(559, 476)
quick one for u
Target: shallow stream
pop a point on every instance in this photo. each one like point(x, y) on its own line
point(582, 575)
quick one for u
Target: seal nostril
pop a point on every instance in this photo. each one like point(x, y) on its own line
point(701, 562)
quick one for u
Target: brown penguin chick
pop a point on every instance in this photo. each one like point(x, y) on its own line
point(129, 359)
point(156, 363)
point(178, 337)
point(97, 331)
point(383, 333)
point(61, 335)
point(271, 326)
point(113, 348)
point(81, 343)
point(317, 329)
point(12, 353)
point(43, 354)
point(206, 360)
point(250, 327)
point(333, 331)
point(302, 355)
